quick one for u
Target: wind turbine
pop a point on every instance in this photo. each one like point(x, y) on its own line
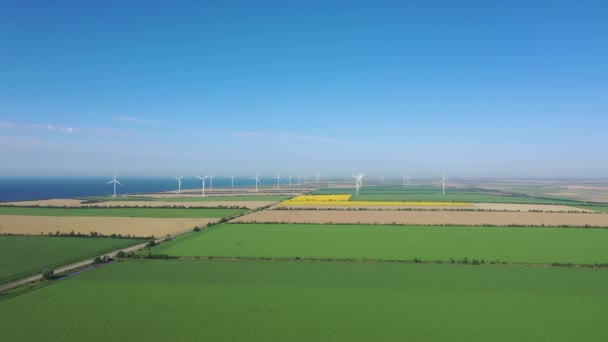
point(406, 180)
point(318, 176)
point(115, 182)
point(203, 179)
point(278, 178)
point(232, 180)
point(179, 183)
point(443, 180)
point(257, 181)
point(358, 182)
point(290, 178)
point(211, 181)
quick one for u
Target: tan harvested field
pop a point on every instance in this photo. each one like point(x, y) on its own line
point(135, 226)
point(425, 217)
point(78, 203)
point(528, 207)
point(208, 204)
point(47, 203)
point(473, 206)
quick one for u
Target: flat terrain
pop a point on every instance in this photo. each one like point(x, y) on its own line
point(21, 256)
point(432, 193)
point(134, 226)
point(426, 217)
point(185, 202)
point(519, 245)
point(469, 206)
point(312, 301)
point(191, 198)
point(121, 212)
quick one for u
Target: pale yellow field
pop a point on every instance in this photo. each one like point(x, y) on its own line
point(206, 204)
point(135, 226)
point(425, 217)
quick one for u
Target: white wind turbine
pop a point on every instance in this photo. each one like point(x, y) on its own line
point(278, 178)
point(290, 178)
point(257, 181)
point(318, 177)
point(203, 179)
point(232, 177)
point(179, 183)
point(115, 182)
point(358, 182)
point(443, 181)
point(406, 180)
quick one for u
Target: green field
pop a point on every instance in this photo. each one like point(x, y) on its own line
point(601, 208)
point(245, 198)
point(312, 301)
point(432, 194)
point(123, 212)
point(518, 245)
point(21, 256)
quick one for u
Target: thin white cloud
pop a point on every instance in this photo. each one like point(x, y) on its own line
point(284, 136)
point(62, 129)
point(137, 120)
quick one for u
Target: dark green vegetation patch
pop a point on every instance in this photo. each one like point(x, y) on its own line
point(123, 212)
point(428, 243)
point(21, 256)
point(312, 301)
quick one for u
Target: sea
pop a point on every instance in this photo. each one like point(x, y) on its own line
point(34, 188)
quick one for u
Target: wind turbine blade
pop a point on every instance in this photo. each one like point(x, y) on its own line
point(110, 182)
point(117, 182)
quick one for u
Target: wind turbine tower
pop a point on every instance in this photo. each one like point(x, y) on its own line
point(203, 179)
point(278, 178)
point(257, 181)
point(232, 177)
point(115, 182)
point(179, 183)
point(443, 181)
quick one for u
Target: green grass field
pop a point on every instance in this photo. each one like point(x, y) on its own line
point(21, 256)
point(430, 193)
point(191, 199)
point(123, 212)
point(521, 245)
point(312, 301)
point(601, 208)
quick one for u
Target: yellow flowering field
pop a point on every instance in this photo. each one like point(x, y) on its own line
point(320, 200)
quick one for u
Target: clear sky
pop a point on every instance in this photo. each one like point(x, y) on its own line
point(478, 88)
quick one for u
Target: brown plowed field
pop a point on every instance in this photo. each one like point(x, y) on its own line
point(135, 226)
point(426, 217)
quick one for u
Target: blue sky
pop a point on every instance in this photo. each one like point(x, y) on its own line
point(478, 88)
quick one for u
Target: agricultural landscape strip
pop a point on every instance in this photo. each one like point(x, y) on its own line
point(425, 217)
point(427, 243)
point(297, 301)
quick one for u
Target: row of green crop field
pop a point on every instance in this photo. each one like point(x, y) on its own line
point(238, 198)
point(377, 242)
point(312, 301)
point(124, 212)
point(431, 193)
point(21, 256)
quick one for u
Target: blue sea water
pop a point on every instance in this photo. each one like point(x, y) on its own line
point(26, 188)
